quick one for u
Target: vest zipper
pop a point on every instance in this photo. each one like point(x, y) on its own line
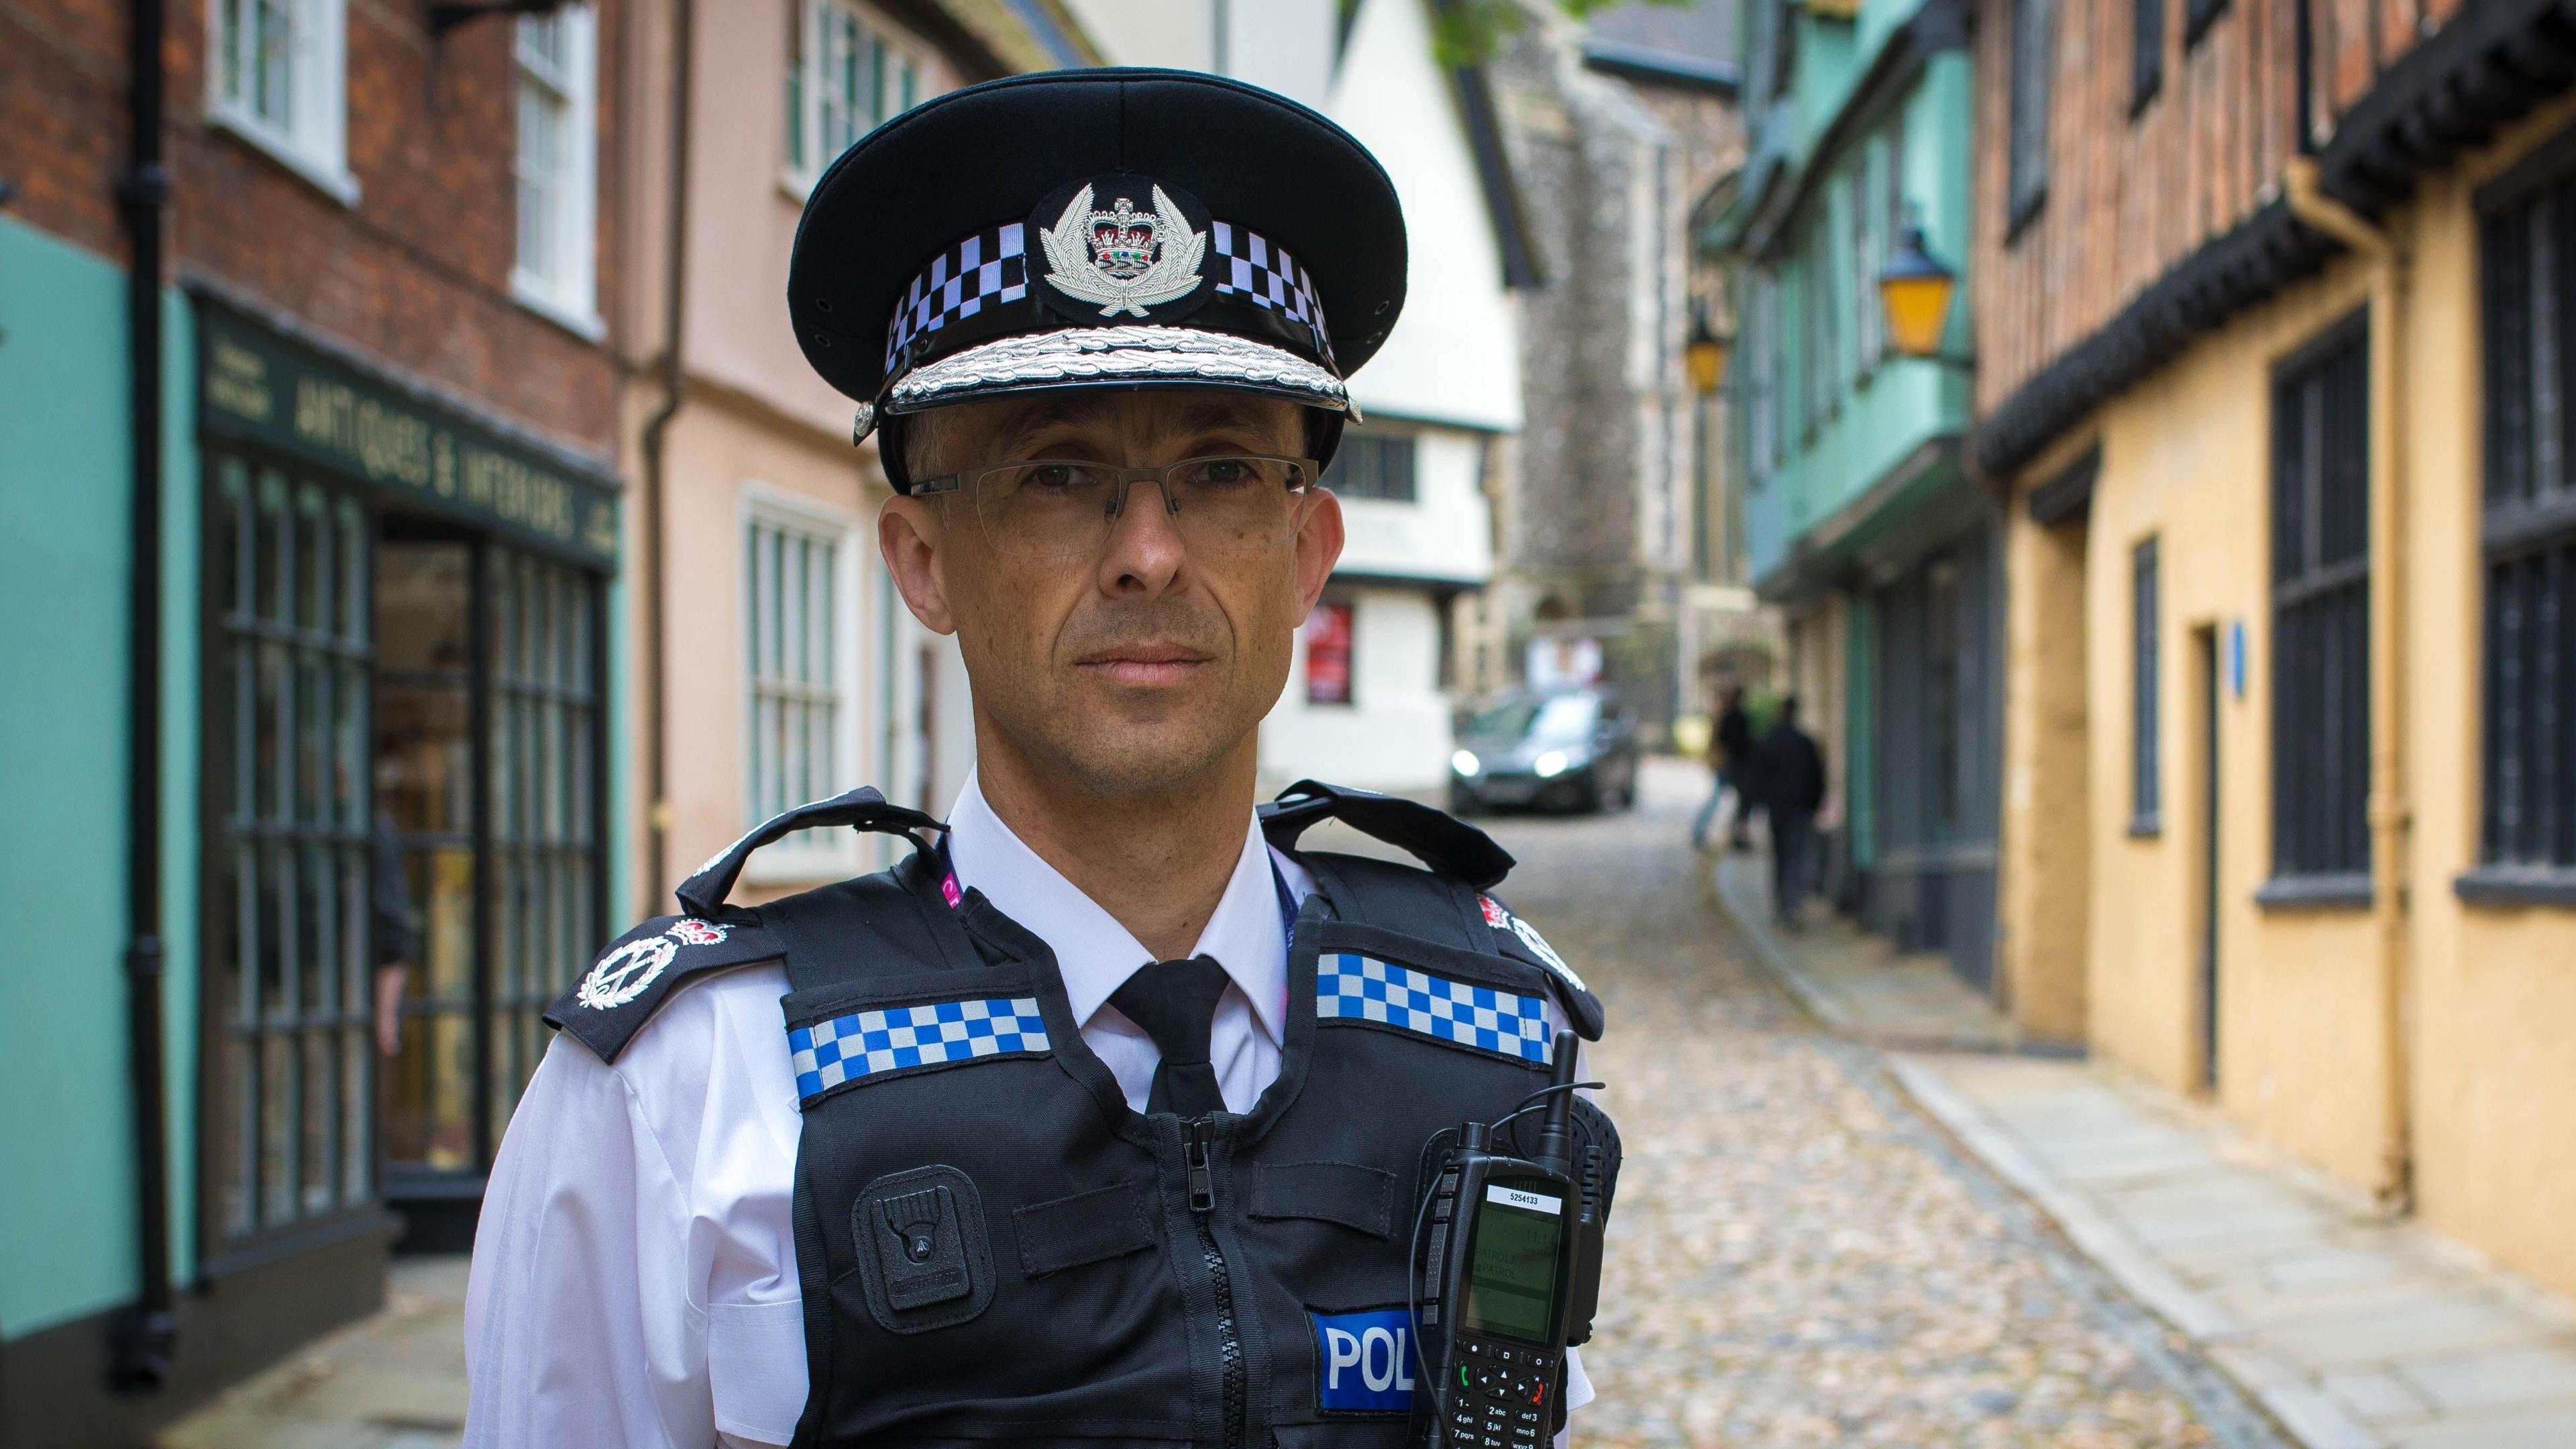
point(1229, 1337)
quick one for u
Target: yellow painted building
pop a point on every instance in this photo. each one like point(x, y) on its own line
point(2290, 819)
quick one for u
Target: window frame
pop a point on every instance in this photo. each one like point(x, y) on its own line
point(570, 296)
point(813, 855)
point(801, 163)
point(313, 141)
point(2321, 841)
point(2526, 814)
point(1346, 463)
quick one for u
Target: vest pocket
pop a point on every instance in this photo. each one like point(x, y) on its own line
point(1349, 1193)
point(1088, 1227)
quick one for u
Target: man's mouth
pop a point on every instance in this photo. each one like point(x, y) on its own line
point(1146, 664)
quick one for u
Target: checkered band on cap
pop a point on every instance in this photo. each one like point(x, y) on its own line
point(1361, 988)
point(848, 1048)
point(989, 266)
point(1250, 266)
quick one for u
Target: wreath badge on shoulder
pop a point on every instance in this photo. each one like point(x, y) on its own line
point(625, 973)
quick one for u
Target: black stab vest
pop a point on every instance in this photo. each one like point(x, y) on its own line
point(994, 1248)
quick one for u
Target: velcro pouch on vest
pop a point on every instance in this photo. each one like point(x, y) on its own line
point(1352, 1194)
point(923, 1251)
point(1088, 1227)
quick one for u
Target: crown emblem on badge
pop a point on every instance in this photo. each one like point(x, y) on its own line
point(1123, 259)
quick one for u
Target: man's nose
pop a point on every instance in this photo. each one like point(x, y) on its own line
point(1144, 551)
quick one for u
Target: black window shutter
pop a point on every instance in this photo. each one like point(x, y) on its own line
point(2147, 60)
point(2031, 61)
point(2321, 609)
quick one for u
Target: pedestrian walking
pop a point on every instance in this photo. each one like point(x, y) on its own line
point(1792, 770)
point(1087, 1122)
point(1731, 766)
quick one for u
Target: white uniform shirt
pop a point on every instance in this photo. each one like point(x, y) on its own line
point(634, 1279)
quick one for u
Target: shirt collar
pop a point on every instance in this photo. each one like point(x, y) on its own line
point(1094, 953)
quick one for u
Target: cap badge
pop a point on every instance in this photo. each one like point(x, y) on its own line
point(1124, 259)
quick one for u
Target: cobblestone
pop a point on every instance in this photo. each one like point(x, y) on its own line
point(1798, 1258)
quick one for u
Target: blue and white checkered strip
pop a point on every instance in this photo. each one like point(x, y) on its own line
point(990, 265)
point(1254, 268)
point(829, 1053)
point(1361, 988)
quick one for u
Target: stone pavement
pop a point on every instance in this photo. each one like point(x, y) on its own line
point(2353, 1330)
point(396, 1381)
point(1858, 984)
point(1798, 1257)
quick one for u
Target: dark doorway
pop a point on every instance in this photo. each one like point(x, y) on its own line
point(2208, 689)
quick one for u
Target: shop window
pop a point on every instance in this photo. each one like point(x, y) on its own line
point(556, 61)
point(2321, 610)
point(2032, 59)
point(1373, 467)
point(801, 728)
point(2146, 783)
point(296, 858)
point(845, 77)
point(2147, 57)
point(1328, 654)
point(2528, 809)
point(276, 74)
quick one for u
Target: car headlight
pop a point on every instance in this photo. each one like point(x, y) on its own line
point(1549, 765)
point(1466, 763)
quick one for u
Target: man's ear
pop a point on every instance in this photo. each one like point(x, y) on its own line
point(909, 534)
point(1319, 547)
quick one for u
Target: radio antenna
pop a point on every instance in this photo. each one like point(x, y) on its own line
point(1555, 1143)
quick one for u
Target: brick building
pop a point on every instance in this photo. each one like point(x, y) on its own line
point(369, 512)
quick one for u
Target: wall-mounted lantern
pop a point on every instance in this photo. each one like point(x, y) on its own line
point(1916, 290)
point(1705, 354)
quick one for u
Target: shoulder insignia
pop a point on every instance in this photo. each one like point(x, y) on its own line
point(639, 971)
point(1580, 1004)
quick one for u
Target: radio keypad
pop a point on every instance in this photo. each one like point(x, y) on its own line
point(1498, 1397)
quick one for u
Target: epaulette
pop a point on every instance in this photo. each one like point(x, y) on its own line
point(1453, 849)
point(1521, 941)
point(621, 991)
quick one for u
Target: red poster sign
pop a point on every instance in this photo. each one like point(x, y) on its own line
point(1328, 655)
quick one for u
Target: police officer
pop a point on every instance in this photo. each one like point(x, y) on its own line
point(1102, 1118)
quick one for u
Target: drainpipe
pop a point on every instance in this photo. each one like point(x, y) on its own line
point(147, 1330)
point(2391, 815)
point(657, 811)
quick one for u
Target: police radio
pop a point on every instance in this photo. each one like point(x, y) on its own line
point(1508, 1273)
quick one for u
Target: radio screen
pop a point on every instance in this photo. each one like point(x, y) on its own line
point(1511, 1273)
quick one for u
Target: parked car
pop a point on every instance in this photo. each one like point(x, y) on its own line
point(1568, 750)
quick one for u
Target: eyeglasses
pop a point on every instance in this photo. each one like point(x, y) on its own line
point(1064, 508)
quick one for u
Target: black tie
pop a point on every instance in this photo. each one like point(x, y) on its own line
point(1175, 1001)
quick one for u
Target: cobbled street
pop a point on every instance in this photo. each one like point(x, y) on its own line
point(1797, 1257)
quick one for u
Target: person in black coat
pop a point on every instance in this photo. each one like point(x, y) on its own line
point(1731, 752)
point(1792, 772)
